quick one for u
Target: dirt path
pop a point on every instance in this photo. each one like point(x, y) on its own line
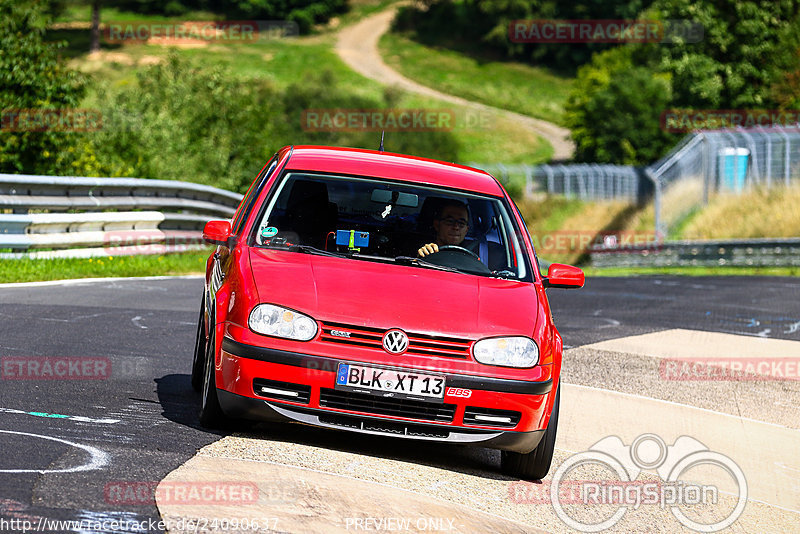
point(358, 47)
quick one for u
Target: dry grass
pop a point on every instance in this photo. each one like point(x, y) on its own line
point(562, 229)
point(680, 199)
point(759, 213)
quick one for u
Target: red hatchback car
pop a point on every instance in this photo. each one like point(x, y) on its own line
point(384, 294)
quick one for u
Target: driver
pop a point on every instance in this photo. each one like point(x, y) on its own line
point(451, 225)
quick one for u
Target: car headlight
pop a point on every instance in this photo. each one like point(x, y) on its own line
point(507, 351)
point(281, 322)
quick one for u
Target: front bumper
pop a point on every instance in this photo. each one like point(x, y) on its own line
point(243, 407)
point(243, 364)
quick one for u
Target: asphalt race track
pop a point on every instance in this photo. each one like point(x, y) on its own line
point(69, 445)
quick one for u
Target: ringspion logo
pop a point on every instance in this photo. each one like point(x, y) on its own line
point(675, 488)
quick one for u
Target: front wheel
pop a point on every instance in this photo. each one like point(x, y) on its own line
point(198, 361)
point(535, 464)
point(211, 415)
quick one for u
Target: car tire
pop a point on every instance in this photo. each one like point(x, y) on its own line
point(535, 464)
point(199, 359)
point(211, 415)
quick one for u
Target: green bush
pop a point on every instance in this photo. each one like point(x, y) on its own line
point(185, 122)
point(305, 12)
point(614, 111)
point(33, 78)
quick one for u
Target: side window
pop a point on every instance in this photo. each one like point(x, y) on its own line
point(252, 195)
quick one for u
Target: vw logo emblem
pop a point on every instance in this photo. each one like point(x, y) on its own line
point(395, 341)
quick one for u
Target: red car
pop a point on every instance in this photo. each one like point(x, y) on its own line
point(385, 294)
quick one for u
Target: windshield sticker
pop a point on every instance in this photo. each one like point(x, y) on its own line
point(269, 231)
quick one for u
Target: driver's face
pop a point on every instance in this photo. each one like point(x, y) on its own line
point(451, 226)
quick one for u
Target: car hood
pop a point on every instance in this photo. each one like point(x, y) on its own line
point(419, 300)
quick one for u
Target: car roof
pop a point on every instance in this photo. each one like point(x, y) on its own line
point(360, 162)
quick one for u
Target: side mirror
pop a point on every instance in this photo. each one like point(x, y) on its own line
point(564, 276)
point(217, 232)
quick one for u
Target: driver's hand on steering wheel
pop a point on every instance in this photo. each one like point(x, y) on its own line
point(425, 250)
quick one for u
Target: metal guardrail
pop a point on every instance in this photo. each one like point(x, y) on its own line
point(718, 253)
point(61, 193)
point(703, 163)
point(91, 229)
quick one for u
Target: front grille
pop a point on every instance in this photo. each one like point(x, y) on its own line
point(395, 429)
point(489, 417)
point(371, 404)
point(418, 344)
point(273, 389)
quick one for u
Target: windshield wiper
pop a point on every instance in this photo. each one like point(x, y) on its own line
point(308, 249)
point(411, 260)
point(505, 274)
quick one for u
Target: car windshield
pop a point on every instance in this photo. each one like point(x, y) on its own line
point(379, 220)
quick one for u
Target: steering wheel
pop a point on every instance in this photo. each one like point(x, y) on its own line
point(459, 249)
point(459, 258)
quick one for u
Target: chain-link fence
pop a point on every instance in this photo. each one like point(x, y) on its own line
point(702, 164)
point(721, 161)
point(582, 181)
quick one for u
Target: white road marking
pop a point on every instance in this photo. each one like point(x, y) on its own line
point(73, 319)
point(98, 459)
point(136, 320)
point(78, 418)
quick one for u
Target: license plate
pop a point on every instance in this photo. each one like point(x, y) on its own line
point(392, 383)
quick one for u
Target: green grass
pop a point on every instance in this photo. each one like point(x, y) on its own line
point(288, 61)
point(503, 84)
point(693, 271)
point(30, 270)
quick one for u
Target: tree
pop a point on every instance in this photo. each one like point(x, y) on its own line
point(730, 66)
point(33, 78)
point(744, 61)
point(614, 110)
point(95, 31)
